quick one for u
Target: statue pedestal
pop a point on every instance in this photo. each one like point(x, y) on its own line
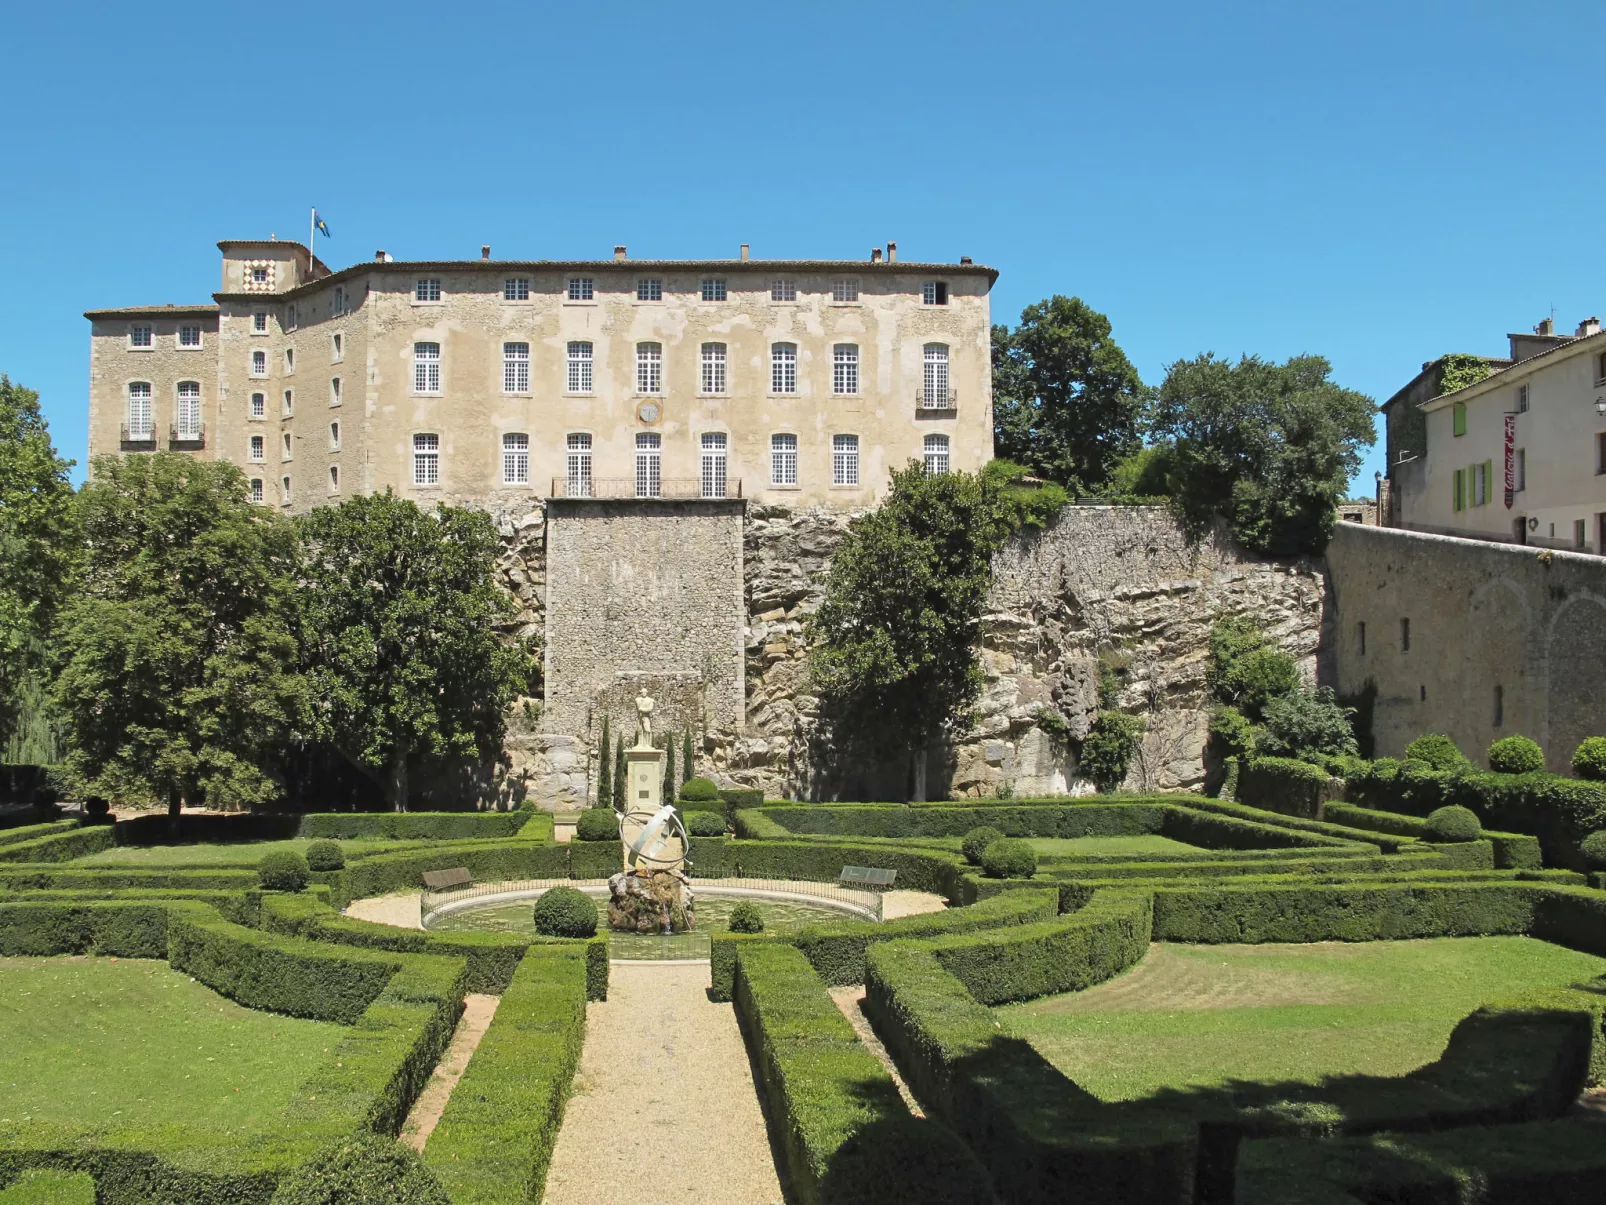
point(644, 779)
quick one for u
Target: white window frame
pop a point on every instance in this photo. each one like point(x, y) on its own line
point(1522, 399)
point(427, 290)
point(338, 305)
point(259, 363)
point(337, 348)
point(515, 458)
point(1480, 484)
point(259, 322)
point(650, 368)
point(289, 361)
point(649, 464)
point(783, 368)
point(178, 337)
point(580, 290)
point(335, 396)
point(287, 447)
point(255, 491)
point(516, 288)
point(714, 475)
point(426, 459)
point(845, 460)
point(257, 449)
point(187, 410)
point(258, 406)
point(845, 369)
point(515, 367)
point(334, 436)
point(577, 448)
point(934, 292)
point(334, 479)
point(289, 400)
point(845, 291)
point(580, 357)
point(713, 375)
point(1519, 471)
point(140, 409)
point(714, 289)
point(649, 289)
point(783, 290)
point(935, 393)
point(284, 489)
point(936, 449)
point(291, 317)
point(426, 367)
point(137, 333)
point(783, 459)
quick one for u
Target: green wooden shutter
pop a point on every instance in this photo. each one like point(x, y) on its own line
point(1488, 481)
point(1458, 418)
point(1458, 488)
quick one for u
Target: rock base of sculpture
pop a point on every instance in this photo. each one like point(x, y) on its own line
point(650, 901)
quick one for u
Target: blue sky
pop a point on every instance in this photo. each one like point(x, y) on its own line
point(1375, 182)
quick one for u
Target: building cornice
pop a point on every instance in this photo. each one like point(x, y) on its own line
point(1504, 375)
point(156, 311)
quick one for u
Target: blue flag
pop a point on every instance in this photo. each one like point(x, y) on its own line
point(321, 225)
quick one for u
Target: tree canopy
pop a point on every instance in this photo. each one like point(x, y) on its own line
point(1269, 447)
point(179, 680)
point(36, 543)
point(1067, 403)
point(399, 627)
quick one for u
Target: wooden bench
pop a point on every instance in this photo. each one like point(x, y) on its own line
point(867, 876)
point(448, 880)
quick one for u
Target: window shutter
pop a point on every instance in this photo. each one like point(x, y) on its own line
point(1458, 418)
point(1457, 488)
point(1488, 481)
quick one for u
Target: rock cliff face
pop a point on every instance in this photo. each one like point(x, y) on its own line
point(1107, 597)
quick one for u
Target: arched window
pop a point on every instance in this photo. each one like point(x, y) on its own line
point(188, 415)
point(714, 377)
point(936, 455)
point(649, 464)
point(649, 368)
point(579, 366)
point(934, 395)
point(783, 368)
point(139, 411)
point(713, 475)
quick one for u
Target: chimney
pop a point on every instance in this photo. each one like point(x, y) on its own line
point(875, 255)
point(744, 251)
point(964, 261)
point(1589, 326)
point(485, 250)
point(1547, 326)
point(618, 251)
point(892, 252)
point(381, 256)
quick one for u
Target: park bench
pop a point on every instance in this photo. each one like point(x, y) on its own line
point(867, 876)
point(448, 880)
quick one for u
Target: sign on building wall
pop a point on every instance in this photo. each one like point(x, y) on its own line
point(1511, 459)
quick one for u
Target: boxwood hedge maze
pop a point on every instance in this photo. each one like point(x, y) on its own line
point(1138, 999)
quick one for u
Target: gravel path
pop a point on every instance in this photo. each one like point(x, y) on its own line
point(664, 1096)
point(431, 1103)
point(401, 910)
point(909, 903)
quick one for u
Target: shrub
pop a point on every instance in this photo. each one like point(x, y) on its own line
point(325, 855)
point(1107, 750)
point(1589, 761)
point(597, 824)
point(1453, 824)
point(745, 918)
point(977, 840)
point(565, 912)
point(1231, 734)
point(364, 1169)
point(282, 870)
point(1593, 847)
point(1009, 858)
point(1306, 723)
point(705, 824)
point(1438, 751)
point(699, 790)
point(1515, 755)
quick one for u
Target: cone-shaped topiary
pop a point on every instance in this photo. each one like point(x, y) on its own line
point(1516, 755)
point(699, 790)
point(977, 840)
point(1009, 858)
point(282, 870)
point(705, 824)
point(324, 854)
point(597, 824)
point(1453, 824)
point(364, 1169)
point(1438, 751)
point(1593, 847)
point(745, 918)
point(565, 912)
point(1589, 759)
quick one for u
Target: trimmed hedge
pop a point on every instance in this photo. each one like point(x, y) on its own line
point(362, 1170)
point(486, 861)
point(1516, 755)
point(31, 832)
point(838, 1118)
point(705, 824)
point(1286, 785)
point(424, 826)
point(597, 824)
point(61, 846)
point(1512, 851)
point(1061, 819)
point(494, 1142)
point(565, 912)
point(43, 1186)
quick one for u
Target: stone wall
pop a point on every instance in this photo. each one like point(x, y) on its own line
point(1496, 632)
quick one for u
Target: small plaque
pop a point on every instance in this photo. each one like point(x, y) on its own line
point(649, 412)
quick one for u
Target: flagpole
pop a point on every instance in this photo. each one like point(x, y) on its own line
point(312, 231)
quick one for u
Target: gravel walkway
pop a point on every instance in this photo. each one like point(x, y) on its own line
point(665, 1098)
point(401, 910)
point(909, 903)
point(431, 1103)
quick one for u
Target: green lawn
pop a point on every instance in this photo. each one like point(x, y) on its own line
point(1202, 1015)
point(115, 1047)
point(1109, 847)
point(234, 853)
point(43, 1187)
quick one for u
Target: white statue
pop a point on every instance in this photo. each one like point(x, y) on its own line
point(644, 720)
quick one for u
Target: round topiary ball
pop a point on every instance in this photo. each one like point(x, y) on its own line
point(597, 824)
point(282, 870)
point(1516, 755)
point(1453, 824)
point(565, 912)
point(705, 824)
point(1589, 760)
point(364, 1169)
point(745, 918)
point(699, 790)
point(1009, 858)
point(1593, 847)
point(1438, 751)
point(977, 840)
point(325, 855)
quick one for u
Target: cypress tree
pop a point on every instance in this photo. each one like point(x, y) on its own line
point(670, 785)
point(621, 778)
point(688, 763)
point(605, 768)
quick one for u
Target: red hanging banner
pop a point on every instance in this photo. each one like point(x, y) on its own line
point(1511, 459)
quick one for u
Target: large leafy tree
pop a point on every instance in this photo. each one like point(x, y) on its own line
point(1269, 447)
point(893, 643)
point(1067, 403)
point(179, 681)
point(36, 544)
point(399, 620)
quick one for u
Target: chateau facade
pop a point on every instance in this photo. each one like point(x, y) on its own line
point(787, 382)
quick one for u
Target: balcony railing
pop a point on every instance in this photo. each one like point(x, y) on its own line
point(933, 397)
point(678, 488)
point(139, 433)
point(189, 437)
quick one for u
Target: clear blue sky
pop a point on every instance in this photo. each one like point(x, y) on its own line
point(1376, 182)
